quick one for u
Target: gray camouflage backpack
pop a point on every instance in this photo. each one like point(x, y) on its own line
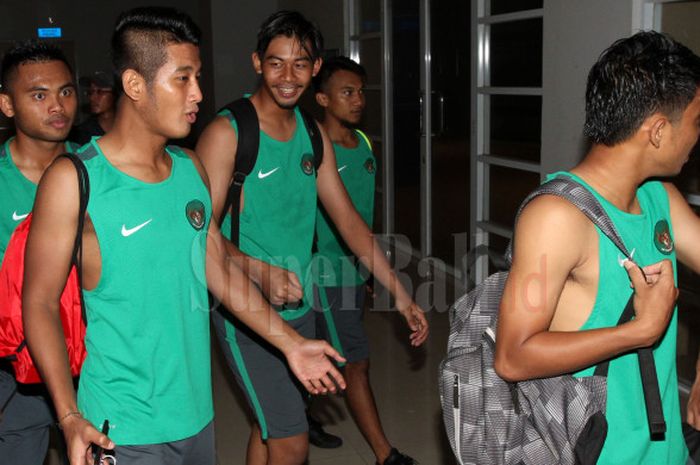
point(547, 421)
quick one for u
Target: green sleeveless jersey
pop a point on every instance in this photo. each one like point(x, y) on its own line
point(148, 368)
point(649, 238)
point(334, 264)
point(16, 194)
point(279, 206)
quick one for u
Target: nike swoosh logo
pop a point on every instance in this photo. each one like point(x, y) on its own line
point(17, 217)
point(262, 175)
point(342, 168)
point(130, 231)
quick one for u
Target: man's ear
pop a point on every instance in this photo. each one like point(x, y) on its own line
point(257, 62)
point(317, 66)
point(322, 99)
point(657, 129)
point(6, 105)
point(134, 84)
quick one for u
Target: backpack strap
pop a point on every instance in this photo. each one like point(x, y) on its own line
point(84, 192)
point(315, 136)
point(248, 135)
point(571, 190)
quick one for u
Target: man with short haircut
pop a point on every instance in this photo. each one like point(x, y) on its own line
point(643, 119)
point(149, 252)
point(38, 93)
point(277, 220)
point(340, 280)
point(101, 92)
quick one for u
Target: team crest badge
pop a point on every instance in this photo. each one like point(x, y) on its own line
point(194, 211)
point(307, 164)
point(662, 237)
point(369, 165)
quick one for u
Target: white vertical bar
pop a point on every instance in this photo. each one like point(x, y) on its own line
point(426, 136)
point(388, 119)
point(480, 139)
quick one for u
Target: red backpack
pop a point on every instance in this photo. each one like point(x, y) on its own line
point(13, 345)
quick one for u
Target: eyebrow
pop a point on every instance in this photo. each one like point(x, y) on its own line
point(275, 57)
point(44, 88)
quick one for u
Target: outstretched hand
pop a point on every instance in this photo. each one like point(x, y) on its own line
point(311, 363)
point(415, 319)
point(80, 435)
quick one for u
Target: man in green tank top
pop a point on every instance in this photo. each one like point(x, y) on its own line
point(340, 280)
point(149, 253)
point(277, 222)
point(38, 93)
point(568, 284)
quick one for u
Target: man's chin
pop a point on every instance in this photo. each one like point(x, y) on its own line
point(287, 105)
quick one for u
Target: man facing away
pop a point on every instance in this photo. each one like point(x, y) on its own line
point(38, 93)
point(643, 118)
point(341, 288)
point(149, 253)
point(278, 210)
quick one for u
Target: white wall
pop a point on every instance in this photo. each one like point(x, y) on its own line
point(575, 33)
point(234, 35)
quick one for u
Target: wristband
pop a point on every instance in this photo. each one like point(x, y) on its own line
point(69, 414)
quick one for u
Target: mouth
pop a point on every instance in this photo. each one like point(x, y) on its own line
point(191, 116)
point(288, 92)
point(58, 122)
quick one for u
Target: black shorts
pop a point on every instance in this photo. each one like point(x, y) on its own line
point(339, 320)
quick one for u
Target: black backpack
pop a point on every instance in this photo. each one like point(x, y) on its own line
point(246, 118)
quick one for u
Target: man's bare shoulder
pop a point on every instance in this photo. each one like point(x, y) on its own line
point(61, 175)
point(553, 211)
point(218, 142)
point(221, 123)
point(552, 225)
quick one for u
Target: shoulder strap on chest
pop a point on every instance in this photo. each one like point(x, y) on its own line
point(248, 143)
point(315, 136)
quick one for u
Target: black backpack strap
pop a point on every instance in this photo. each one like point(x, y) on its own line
point(574, 192)
point(315, 136)
point(84, 190)
point(248, 125)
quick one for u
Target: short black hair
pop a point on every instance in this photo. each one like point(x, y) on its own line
point(634, 78)
point(333, 65)
point(142, 34)
point(28, 51)
point(290, 24)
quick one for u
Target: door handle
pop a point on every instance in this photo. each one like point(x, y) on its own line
point(439, 97)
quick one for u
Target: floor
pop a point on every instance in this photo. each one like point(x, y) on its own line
point(405, 387)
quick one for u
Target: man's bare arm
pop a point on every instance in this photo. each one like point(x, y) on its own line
point(360, 240)
point(308, 359)
point(216, 148)
point(549, 241)
point(686, 231)
point(47, 262)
